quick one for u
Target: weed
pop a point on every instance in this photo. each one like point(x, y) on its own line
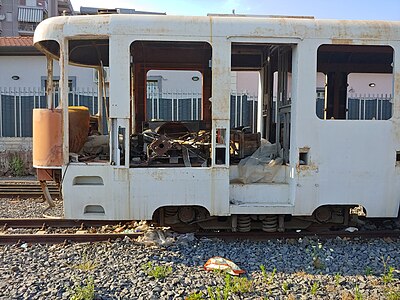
point(314, 288)
point(239, 284)
point(357, 293)
point(316, 254)
point(232, 285)
point(83, 292)
point(392, 294)
point(215, 294)
point(337, 279)
point(264, 272)
point(368, 271)
point(387, 276)
point(17, 166)
point(195, 296)
point(269, 278)
point(158, 272)
point(285, 287)
point(86, 264)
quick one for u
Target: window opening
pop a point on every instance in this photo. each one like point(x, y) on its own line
point(265, 68)
point(170, 108)
point(358, 82)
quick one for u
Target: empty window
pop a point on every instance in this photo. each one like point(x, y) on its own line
point(354, 82)
point(174, 95)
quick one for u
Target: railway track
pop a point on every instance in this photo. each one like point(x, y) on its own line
point(82, 235)
point(25, 189)
point(41, 237)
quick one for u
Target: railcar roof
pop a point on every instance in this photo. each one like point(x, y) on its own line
point(210, 28)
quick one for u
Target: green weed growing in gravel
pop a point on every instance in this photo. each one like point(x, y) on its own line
point(215, 294)
point(232, 285)
point(337, 279)
point(268, 278)
point(17, 166)
point(316, 254)
point(387, 276)
point(368, 271)
point(195, 296)
point(83, 292)
point(239, 285)
point(86, 264)
point(285, 287)
point(158, 272)
point(314, 288)
point(357, 293)
point(392, 294)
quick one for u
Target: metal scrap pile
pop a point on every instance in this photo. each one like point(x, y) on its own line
point(172, 143)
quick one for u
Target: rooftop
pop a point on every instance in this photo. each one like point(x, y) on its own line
point(16, 41)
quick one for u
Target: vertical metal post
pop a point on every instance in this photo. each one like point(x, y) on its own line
point(15, 113)
point(49, 87)
point(100, 96)
point(235, 115)
point(177, 105)
point(20, 109)
point(191, 108)
point(1, 113)
point(241, 110)
point(64, 96)
point(172, 106)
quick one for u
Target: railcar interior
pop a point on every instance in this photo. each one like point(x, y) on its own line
point(300, 161)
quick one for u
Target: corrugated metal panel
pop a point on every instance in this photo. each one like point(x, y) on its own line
point(30, 14)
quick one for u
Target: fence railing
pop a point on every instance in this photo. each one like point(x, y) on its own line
point(16, 105)
point(363, 107)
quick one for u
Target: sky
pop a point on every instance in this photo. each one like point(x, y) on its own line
point(320, 9)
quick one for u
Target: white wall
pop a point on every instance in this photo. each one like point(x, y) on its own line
point(247, 81)
point(178, 80)
point(30, 70)
point(359, 83)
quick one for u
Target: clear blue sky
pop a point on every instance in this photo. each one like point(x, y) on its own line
point(321, 9)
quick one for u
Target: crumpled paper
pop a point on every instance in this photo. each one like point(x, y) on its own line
point(220, 263)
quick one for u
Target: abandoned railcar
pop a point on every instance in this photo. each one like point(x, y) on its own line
point(292, 167)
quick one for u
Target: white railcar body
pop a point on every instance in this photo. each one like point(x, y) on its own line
point(331, 161)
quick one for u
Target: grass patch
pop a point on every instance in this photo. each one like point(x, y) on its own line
point(17, 166)
point(158, 272)
point(83, 291)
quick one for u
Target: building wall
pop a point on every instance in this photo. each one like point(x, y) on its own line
point(9, 9)
point(31, 69)
point(9, 25)
point(172, 81)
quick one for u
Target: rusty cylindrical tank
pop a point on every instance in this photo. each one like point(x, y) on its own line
point(48, 136)
point(79, 119)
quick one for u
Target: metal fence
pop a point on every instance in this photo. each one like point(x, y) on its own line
point(16, 105)
point(363, 107)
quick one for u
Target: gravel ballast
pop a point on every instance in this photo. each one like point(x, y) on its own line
point(305, 269)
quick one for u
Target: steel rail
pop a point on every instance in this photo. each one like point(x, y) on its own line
point(262, 236)
point(63, 238)
point(25, 189)
point(60, 223)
